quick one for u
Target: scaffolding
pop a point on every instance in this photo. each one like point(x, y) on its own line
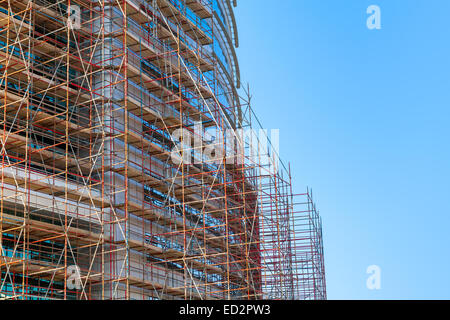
point(127, 172)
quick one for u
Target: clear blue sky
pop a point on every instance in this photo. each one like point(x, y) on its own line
point(364, 118)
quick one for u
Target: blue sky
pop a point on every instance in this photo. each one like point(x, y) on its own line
point(364, 119)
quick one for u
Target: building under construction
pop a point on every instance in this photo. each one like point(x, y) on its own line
point(100, 201)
